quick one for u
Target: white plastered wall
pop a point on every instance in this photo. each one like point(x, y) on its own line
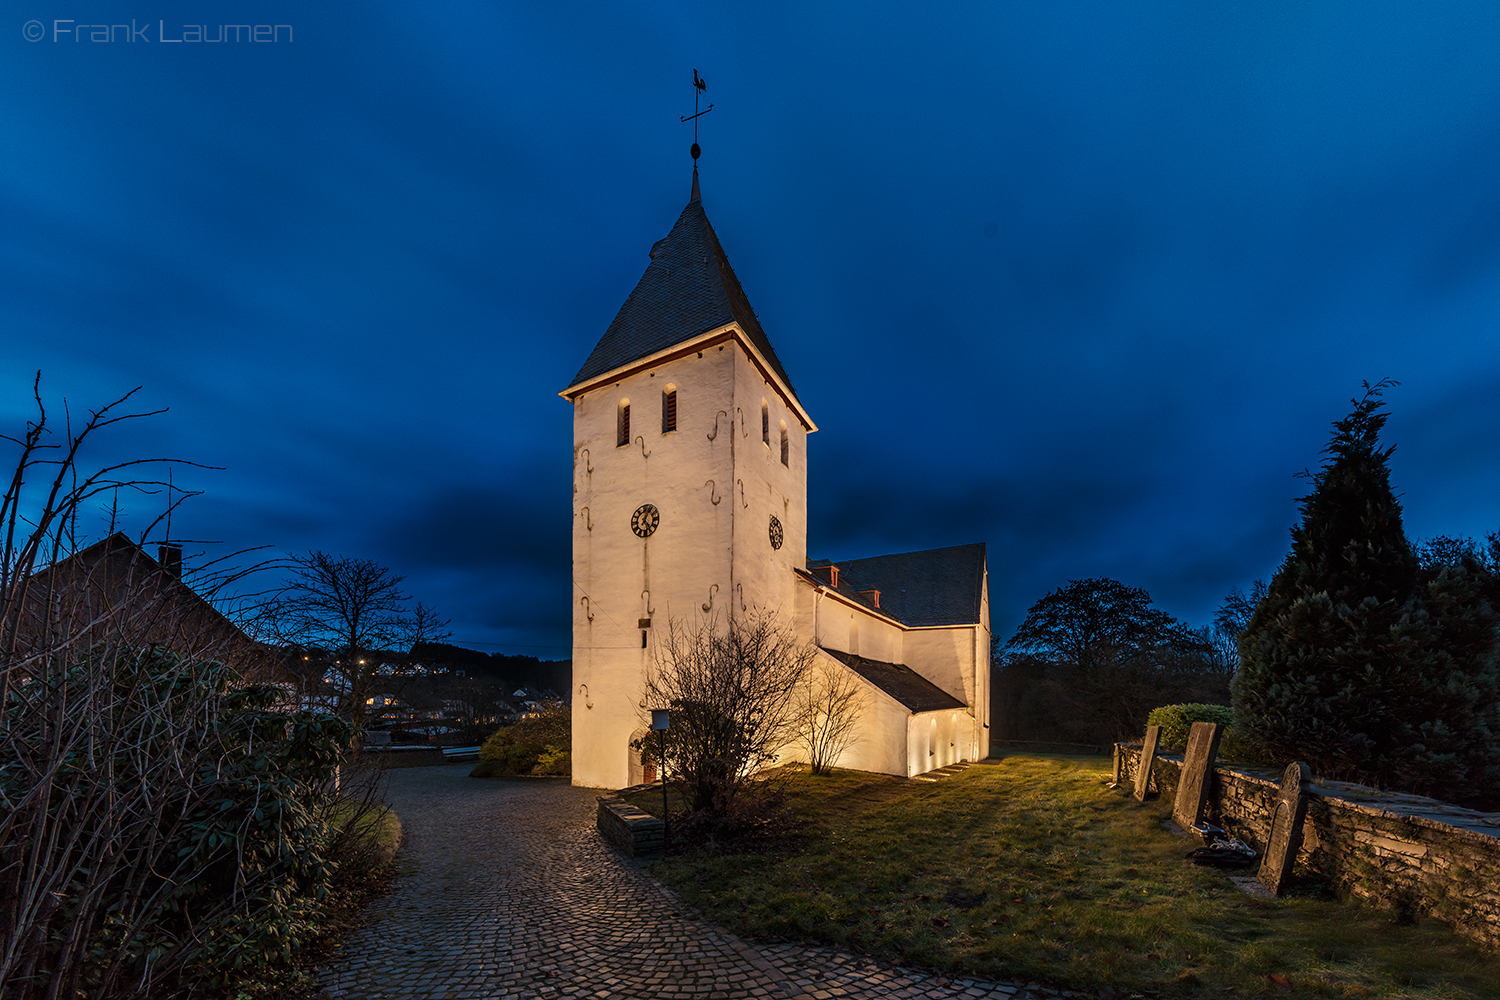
point(764, 488)
point(933, 739)
point(716, 486)
point(953, 657)
point(881, 746)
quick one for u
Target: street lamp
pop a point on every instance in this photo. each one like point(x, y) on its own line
point(661, 721)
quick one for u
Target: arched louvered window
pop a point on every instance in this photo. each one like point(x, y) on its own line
point(786, 448)
point(765, 423)
point(669, 408)
point(622, 424)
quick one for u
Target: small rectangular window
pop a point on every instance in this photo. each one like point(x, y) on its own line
point(785, 449)
point(669, 411)
point(623, 437)
point(765, 422)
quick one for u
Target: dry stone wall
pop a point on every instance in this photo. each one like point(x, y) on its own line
point(1414, 855)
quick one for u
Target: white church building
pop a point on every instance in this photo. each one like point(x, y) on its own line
point(690, 500)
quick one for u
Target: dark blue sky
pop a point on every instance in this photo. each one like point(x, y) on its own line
point(1086, 282)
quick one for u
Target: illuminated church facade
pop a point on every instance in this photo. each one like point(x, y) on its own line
point(690, 502)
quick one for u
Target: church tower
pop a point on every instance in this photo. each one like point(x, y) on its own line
point(689, 484)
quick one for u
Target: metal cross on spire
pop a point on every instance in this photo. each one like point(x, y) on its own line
point(698, 88)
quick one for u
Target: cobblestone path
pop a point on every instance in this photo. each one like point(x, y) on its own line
point(509, 891)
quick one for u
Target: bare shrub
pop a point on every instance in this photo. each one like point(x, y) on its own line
point(159, 817)
point(829, 703)
point(732, 694)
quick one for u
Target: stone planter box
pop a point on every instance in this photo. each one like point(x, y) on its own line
point(637, 833)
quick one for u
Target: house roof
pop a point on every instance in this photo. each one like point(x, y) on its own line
point(931, 587)
point(688, 289)
point(899, 681)
point(116, 592)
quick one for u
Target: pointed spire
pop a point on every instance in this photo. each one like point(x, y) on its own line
point(688, 289)
point(695, 197)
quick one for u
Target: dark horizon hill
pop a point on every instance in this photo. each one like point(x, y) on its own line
point(512, 669)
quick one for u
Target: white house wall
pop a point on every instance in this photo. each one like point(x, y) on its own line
point(853, 629)
point(954, 657)
point(944, 656)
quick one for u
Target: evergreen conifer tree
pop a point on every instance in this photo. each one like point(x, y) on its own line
point(1356, 661)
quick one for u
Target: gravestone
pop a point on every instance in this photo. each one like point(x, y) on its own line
point(1286, 828)
point(1192, 789)
point(1143, 767)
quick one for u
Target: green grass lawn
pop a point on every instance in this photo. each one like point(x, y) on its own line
point(379, 823)
point(1033, 869)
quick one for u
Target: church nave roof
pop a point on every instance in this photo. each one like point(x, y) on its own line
point(899, 681)
point(932, 587)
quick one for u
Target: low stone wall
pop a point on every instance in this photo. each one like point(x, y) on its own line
point(637, 833)
point(1414, 855)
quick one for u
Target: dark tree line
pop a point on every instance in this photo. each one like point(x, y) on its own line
point(1369, 657)
point(1093, 658)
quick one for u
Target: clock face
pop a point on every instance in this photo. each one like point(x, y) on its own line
point(644, 521)
point(775, 532)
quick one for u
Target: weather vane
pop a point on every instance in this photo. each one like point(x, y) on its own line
point(698, 88)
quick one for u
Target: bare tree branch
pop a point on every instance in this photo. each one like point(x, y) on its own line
point(732, 695)
point(829, 705)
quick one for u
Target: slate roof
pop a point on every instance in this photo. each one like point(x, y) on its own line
point(688, 289)
point(932, 587)
point(899, 681)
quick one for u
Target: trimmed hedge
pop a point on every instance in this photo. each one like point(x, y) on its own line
point(1176, 722)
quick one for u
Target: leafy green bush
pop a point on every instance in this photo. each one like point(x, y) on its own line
point(1176, 722)
point(540, 744)
point(508, 754)
point(554, 760)
point(223, 869)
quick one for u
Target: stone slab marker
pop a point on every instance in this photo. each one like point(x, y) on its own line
point(1192, 789)
point(1286, 828)
point(1143, 766)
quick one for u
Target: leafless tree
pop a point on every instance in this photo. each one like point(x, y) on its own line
point(829, 704)
point(732, 692)
point(352, 622)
